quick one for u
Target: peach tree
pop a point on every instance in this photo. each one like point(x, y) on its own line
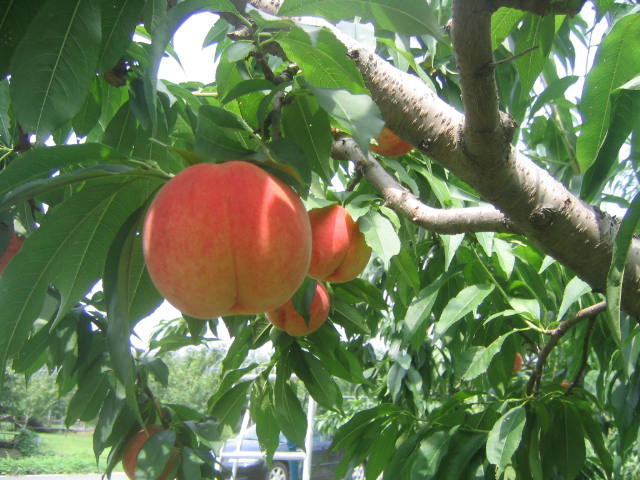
point(509, 229)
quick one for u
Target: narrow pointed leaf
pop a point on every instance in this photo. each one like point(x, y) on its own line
point(505, 436)
point(68, 250)
point(463, 303)
point(54, 64)
point(617, 62)
point(618, 261)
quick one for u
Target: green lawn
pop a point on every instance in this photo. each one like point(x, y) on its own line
point(61, 453)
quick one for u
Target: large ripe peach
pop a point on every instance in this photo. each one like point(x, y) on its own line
point(13, 246)
point(133, 447)
point(288, 319)
point(226, 239)
point(390, 145)
point(339, 251)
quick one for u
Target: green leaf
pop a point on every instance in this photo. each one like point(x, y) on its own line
point(536, 33)
point(358, 114)
point(125, 281)
point(238, 351)
point(503, 21)
point(86, 402)
point(572, 292)
point(54, 64)
point(14, 21)
point(380, 235)
point(462, 449)
point(303, 298)
point(263, 412)
point(483, 356)
point(413, 17)
point(119, 20)
point(155, 454)
point(555, 91)
point(41, 162)
point(319, 383)
point(291, 418)
point(67, 250)
point(505, 436)
point(350, 432)
point(624, 105)
point(247, 86)
point(595, 432)
point(121, 130)
point(43, 186)
point(304, 122)
point(109, 412)
point(617, 62)
point(381, 451)
point(222, 136)
point(230, 406)
point(323, 59)
point(465, 302)
point(419, 311)
point(432, 451)
point(562, 443)
point(451, 243)
point(616, 270)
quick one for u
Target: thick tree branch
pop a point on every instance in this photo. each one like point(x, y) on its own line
point(576, 234)
point(483, 135)
point(405, 203)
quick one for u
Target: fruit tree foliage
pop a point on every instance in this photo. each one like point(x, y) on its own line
point(508, 229)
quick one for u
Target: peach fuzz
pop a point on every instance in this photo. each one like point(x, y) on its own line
point(288, 319)
point(339, 251)
point(226, 239)
point(390, 145)
point(133, 447)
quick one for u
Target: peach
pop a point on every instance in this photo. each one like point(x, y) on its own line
point(288, 319)
point(13, 246)
point(517, 362)
point(226, 239)
point(133, 447)
point(390, 145)
point(339, 251)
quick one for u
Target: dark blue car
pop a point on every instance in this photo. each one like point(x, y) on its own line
point(323, 461)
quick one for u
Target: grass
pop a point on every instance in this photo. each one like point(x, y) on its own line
point(61, 453)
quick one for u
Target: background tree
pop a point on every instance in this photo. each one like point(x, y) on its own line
point(490, 238)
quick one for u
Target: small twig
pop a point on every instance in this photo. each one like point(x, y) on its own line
point(24, 143)
point(273, 119)
point(533, 386)
point(447, 221)
point(585, 357)
point(513, 57)
point(266, 69)
point(357, 176)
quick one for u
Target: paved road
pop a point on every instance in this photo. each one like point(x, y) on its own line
point(80, 476)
